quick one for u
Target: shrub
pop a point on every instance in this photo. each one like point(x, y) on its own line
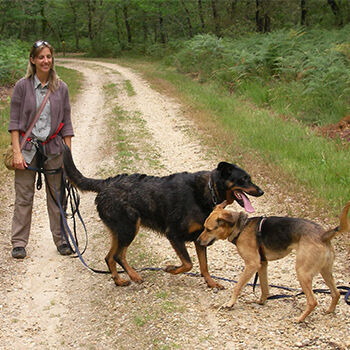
point(313, 67)
point(13, 61)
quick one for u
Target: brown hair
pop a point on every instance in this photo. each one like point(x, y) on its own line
point(54, 80)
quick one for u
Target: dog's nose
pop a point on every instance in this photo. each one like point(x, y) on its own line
point(260, 192)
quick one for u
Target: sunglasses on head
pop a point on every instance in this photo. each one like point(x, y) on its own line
point(39, 43)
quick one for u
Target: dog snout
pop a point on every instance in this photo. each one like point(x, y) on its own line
point(205, 241)
point(199, 241)
point(259, 192)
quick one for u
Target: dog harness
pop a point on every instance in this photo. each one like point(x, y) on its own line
point(258, 238)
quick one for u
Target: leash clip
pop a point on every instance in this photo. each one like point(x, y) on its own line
point(34, 141)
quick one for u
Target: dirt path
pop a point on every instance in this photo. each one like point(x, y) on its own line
point(51, 301)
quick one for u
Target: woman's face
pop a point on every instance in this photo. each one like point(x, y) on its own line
point(43, 62)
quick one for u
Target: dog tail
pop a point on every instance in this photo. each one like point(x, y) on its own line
point(76, 177)
point(343, 226)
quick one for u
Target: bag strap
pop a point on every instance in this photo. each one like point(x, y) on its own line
point(36, 117)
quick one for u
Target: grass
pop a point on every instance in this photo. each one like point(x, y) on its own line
point(129, 88)
point(5, 138)
point(72, 78)
point(245, 130)
point(129, 133)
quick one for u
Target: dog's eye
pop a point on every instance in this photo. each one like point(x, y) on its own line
point(243, 180)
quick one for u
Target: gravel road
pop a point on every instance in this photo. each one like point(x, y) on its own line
point(49, 301)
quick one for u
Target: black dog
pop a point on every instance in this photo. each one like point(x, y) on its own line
point(175, 205)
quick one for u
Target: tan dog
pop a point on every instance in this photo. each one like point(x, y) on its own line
point(277, 238)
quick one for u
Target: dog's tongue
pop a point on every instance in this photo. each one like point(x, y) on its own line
point(247, 205)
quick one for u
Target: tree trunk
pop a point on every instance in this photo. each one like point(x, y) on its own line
point(188, 19)
point(336, 11)
point(43, 19)
point(144, 28)
point(117, 25)
point(262, 17)
point(201, 17)
point(127, 24)
point(303, 12)
point(90, 11)
point(216, 18)
point(233, 8)
point(161, 29)
point(75, 24)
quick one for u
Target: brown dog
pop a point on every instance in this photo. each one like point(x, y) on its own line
point(259, 240)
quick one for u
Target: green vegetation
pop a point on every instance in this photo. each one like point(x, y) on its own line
point(302, 74)
point(72, 78)
point(4, 120)
point(129, 88)
point(13, 61)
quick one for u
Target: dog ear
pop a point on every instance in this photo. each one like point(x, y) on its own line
point(221, 206)
point(228, 216)
point(242, 220)
point(225, 169)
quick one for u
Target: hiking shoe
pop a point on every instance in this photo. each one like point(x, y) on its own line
point(19, 253)
point(64, 249)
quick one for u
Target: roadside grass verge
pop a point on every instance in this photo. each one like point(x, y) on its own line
point(72, 78)
point(248, 133)
point(5, 138)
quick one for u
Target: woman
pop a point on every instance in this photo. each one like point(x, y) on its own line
point(43, 148)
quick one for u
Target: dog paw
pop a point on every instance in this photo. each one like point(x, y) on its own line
point(138, 280)
point(227, 306)
point(171, 269)
point(215, 285)
point(121, 282)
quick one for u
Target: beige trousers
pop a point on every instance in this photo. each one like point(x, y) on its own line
point(25, 181)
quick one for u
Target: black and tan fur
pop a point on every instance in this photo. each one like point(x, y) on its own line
point(279, 236)
point(175, 205)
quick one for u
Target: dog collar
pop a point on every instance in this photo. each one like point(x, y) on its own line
point(212, 191)
point(233, 239)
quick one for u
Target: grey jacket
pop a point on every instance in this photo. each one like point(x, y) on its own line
point(23, 109)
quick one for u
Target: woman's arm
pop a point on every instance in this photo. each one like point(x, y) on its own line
point(68, 141)
point(18, 160)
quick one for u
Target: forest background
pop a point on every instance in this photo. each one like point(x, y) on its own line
point(274, 74)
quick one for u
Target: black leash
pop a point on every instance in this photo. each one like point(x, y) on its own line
point(75, 200)
point(62, 199)
point(70, 238)
point(344, 290)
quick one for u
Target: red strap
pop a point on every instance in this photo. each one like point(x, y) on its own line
point(55, 134)
point(28, 138)
point(51, 137)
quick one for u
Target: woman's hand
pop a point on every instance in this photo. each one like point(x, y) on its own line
point(18, 160)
